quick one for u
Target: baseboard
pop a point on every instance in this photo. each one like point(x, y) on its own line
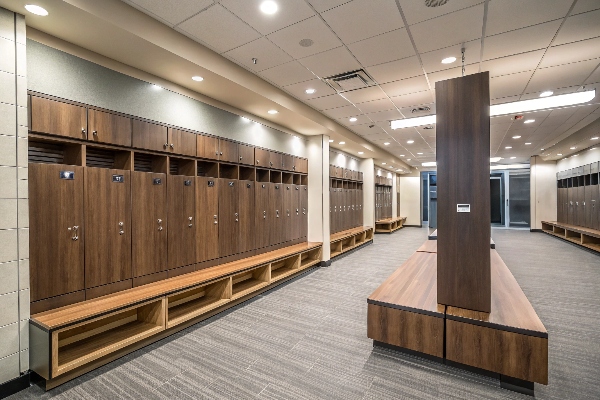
point(16, 385)
point(325, 263)
point(412, 226)
point(535, 230)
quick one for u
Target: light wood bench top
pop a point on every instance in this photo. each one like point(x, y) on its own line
point(390, 220)
point(63, 316)
point(429, 246)
point(574, 228)
point(433, 236)
point(348, 233)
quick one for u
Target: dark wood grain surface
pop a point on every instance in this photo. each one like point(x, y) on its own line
point(207, 219)
point(109, 128)
point(181, 236)
point(149, 136)
point(58, 118)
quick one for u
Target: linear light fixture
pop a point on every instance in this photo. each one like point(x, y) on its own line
point(563, 100)
point(434, 164)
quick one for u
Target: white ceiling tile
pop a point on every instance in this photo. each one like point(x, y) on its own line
point(519, 41)
point(413, 99)
point(342, 112)
point(219, 29)
point(287, 74)
point(572, 52)
point(563, 90)
point(366, 131)
point(383, 48)
point(313, 29)
point(432, 60)
point(396, 70)
point(289, 12)
point(508, 15)
point(387, 115)
point(376, 105)
point(361, 19)
point(408, 111)
point(502, 100)
point(366, 94)
point(267, 54)
point(405, 86)
point(452, 73)
point(169, 11)
point(509, 85)
point(331, 62)
point(448, 30)
point(594, 78)
point(513, 64)
point(327, 102)
point(585, 6)
point(579, 27)
point(561, 76)
point(324, 5)
point(360, 120)
point(417, 11)
point(299, 89)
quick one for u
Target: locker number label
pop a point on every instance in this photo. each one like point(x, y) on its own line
point(157, 181)
point(463, 208)
point(68, 175)
point(187, 183)
point(231, 184)
point(118, 179)
point(211, 183)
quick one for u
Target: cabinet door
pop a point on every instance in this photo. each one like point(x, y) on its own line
point(207, 219)
point(149, 136)
point(229, 226)
point(56, 228)
point(287, 163)
point(228, 151)
point(262, 214)
point(304, 210)
point(261, 158)
point(276, 213)
point(288, 222)
point(275, 160)
point(148, 223)
point(587, 208)
point(109, 128)
point(107, 225)
point(296, 213)
point(182, 142)
point(559, 204)
point(360, 208)
point(595, 207)
point(245, 154)
point(302, 165)
point(581, 206)
point(571, 205)
point(58, 118)
point(181, 202)
point(246, 215)
point(332, 210)
point(207, 147)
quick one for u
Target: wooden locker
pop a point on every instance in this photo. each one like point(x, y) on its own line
point(148, 223)
point(275, 160)
point(331, 208)
point(304, 211)
point(229, 226)
point(340, 207)
point(58, 118)
point(181, 201)
point(302, 165)
point(262, 214)
point(228, 151)
point(207, 147)
point(207, 219)
point(182, 142)
point(56, 230)
point(149, 136)
point(246, 216)
point(559, 204)
point(360, 208)
point(595, 207)
point(287, 228)
point(581, 206)
point(107, 226)
point(109, 128)
point(287, 163)
point(587, 208)
point(245, 154)
point(296, 213)
point(571, 205)
point(261, 157)
point(276, 214)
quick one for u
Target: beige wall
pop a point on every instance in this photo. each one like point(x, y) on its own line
point(542, 191)
point(583, 158)
point(367, 167)
point(410, 199)
point(318, 192)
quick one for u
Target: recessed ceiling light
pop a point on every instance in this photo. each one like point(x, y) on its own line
point(361, 152)
point(410, 141)
point(593, 148)
point(527, 143)
point(572, 148)
point(516, 137)
point(331, 140)
point(559, 154)
point(448, 60)
point(512, 158)
point(529, 121)
point(429, 164)
point(37, 10)
point(386, 143)
point(594, 138)
point(508, 147)
point(197, 78)
point(245, 119)
point(401, 155)
point(156, 87)
point(546, 93)
point(342, 142)
point(268, 7)
point(353, 119)
point(575, 155)
point(408, 159)
point(310, 91)
point(273, 111)
point(541, 149)
point(420, 154)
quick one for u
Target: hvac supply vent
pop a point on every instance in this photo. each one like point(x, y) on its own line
point(435, 3)
point(350, 81)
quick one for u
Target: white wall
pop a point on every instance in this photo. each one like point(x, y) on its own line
point(410, 199)
point(344, 160)
point(583, 158)
point(542, 191)
point(318, 192)
point(367, 167)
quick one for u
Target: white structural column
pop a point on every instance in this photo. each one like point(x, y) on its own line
point(394, 196)
point(367, 167)
point(318, 192)
point(543, 193)
point(14, 207)
point(410, 198)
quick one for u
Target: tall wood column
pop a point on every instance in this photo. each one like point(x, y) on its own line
point(463, 169)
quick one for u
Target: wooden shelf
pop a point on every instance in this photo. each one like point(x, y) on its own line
point(246, 287)
point(584, 237)
point(188, 304)
point(389, 225)
point(344, 241)
point(250, 281)
point(284, 268)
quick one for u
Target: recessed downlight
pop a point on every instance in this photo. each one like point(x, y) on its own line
point(410, 141)
point(508, 147)
point(361, 152)
point(512, 158)
point(331, 140)
point(269, 7)
point(559, 154)
point(546, 93)
point(342, 142)
point(273, 111)
point(448, 60)
point(37, 10)
point(420, 154)
point(529, 121)
point(408, 159)
point(310, 91)
point(383, 163)
point(386, 144)
point(527, 143)
point(401, 155)
point(594, 138)
point(197, 78)
point(353, 119)
point(572, 148)
point(516, 137)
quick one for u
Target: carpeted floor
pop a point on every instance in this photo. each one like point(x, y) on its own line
point(307, 339)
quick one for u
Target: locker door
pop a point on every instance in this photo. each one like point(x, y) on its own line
point(148, 223)
point(581, 206)
point(182, 142)
point(246, 154)
point(109, 128)
point(304, 211)
point(207, 147)
point(296, 213)
point(58, 118)
point(108, 226)
point(246, 216)
point(262, 214)
point(587, 209)
point(146, 135)
point(261, 157)
point(207, 219)
point(181, 225)
point(276, 213)
point(360, 208)
point(55, 208)
point(331, 209)
point(559, 204)
point(571, 206)
point(229, 226)
point(288, 221)
point(595, 207)
point(228, 151)
point(275, 160)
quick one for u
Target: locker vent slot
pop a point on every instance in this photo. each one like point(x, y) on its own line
point(46, 153)
point(142, 162)
point(208, 169)
point(174, 167)
point(100, 158)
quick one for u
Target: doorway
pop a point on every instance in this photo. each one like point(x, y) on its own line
point(497, 199)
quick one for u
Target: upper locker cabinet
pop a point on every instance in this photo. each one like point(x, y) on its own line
point(261, 158)
point(246, 216)
point(58, 118)
point(207, 219)
point(149, 136)
point(301, 165)
point(182, 142)
point(181, 228)
point(245, 154)
point(287, 162)
point(275, 160)
point(110, 128)
point(148, 223)
point(207, 147)
point(107, 226)
point(262, 214)
point(56, 224)
point(228, 151)
point(229, 221)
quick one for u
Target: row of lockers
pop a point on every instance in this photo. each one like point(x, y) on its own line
point(580, 206)
point(345, 173)
point(593, 168)
point(345, 208)
point(383, 181)
point(383, 202)
point(79, 121)
point(95, 226)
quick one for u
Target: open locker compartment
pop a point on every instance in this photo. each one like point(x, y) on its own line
point(250, 281)
point(185, 305)
point(284, 268)
point(310, 258)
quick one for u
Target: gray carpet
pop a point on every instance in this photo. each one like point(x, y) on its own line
point(307, 339)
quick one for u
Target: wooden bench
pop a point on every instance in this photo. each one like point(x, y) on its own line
point(433, 236)
point(510, 341)
point(72, 340)
point(585, 237)
point(389, 225)
point(344, 241)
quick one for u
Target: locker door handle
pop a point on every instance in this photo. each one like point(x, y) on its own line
point(190, 219)
point(166, 145)
point(172, 146)
point(83, 131)
point(159, 221)
point(95, 133)
point(74, 236)
point(121, 229)
point(277, 212)
point(241, 158)
point(264, 215)
point(257, 162)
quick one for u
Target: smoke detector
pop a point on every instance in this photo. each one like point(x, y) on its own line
point(435, 3)
point(348, 81)
point(306, 42)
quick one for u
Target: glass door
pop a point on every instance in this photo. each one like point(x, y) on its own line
point(518, 200)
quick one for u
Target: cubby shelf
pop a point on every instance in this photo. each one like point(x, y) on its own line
point(585, 237)
point(347, 240)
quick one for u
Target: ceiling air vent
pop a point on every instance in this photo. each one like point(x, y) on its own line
point(435, 3)
point(350, 81)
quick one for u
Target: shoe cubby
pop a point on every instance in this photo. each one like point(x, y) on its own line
point(247, 174)
point(573, 236)
point(182, 166)
point(287, 178)
point(310, 258)
point(144, 162)
point(304, 179)
point(262, 175)
point(191, 303)
point(348, 243)
point(207, 169)
point(250, 281)
point(99, 157)
point(55, 152)
point(228, 171)
point(283, 268)
point(590, 242)
point(275, 176)
point(336, 248)
point(557, 230)
point(296, 179)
